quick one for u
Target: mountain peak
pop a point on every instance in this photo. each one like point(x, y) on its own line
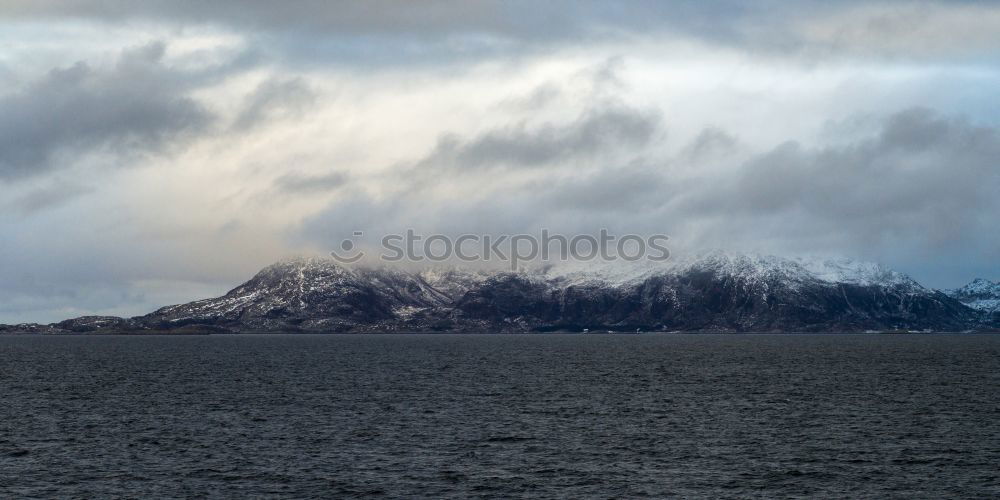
point(982, 284)
point(981, 294)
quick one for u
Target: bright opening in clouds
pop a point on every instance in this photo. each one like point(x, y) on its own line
point(157, 152)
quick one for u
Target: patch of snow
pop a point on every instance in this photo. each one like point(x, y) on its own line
point(406, 312)
point(990, 305)
point(981, 294)
point(855, 272)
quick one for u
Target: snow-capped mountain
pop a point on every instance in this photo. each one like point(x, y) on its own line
point(750, 266)
point(982, 295)
point(320, 294)
point(712, 292)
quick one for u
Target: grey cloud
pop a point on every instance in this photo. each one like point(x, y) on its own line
point(628, 189)
point(710, 143)
point(136, 106)
point(925, 180)
point(7, 75)
point(920, 129)
point(374, 17)
point(814, 27)
point(521, 209)
point(595, 132)
point(511, 213)
point(931, 29)
point(538, 98)
point(306, 184)
point(604, 133)
point(606, 77)
point(275, 99)
point(55, 194)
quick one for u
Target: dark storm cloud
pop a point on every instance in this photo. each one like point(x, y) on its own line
point(138, 105)
point(595, 132)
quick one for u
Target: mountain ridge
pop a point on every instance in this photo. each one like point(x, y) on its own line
point(714, 292)
point(981, 295)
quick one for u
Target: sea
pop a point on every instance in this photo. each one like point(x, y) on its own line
point(500, 416)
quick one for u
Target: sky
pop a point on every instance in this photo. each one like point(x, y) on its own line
point(158, 152)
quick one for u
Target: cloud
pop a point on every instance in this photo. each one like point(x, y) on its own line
point(628, 189)
point(930, 29)
point(138, 105)
point(536, 99)
point(712, 142)
point(924, 180)
point(275, 99)
point(810, 27)
point(51, 196)
point(295, 183)
point(595, 132)
point(393, 17)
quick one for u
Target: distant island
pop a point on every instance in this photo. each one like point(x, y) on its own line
point(716, 292)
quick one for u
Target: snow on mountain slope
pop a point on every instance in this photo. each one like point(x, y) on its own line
point(983, 295)
point(751, 268)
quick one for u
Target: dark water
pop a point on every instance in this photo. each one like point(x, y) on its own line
point(501, 416)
